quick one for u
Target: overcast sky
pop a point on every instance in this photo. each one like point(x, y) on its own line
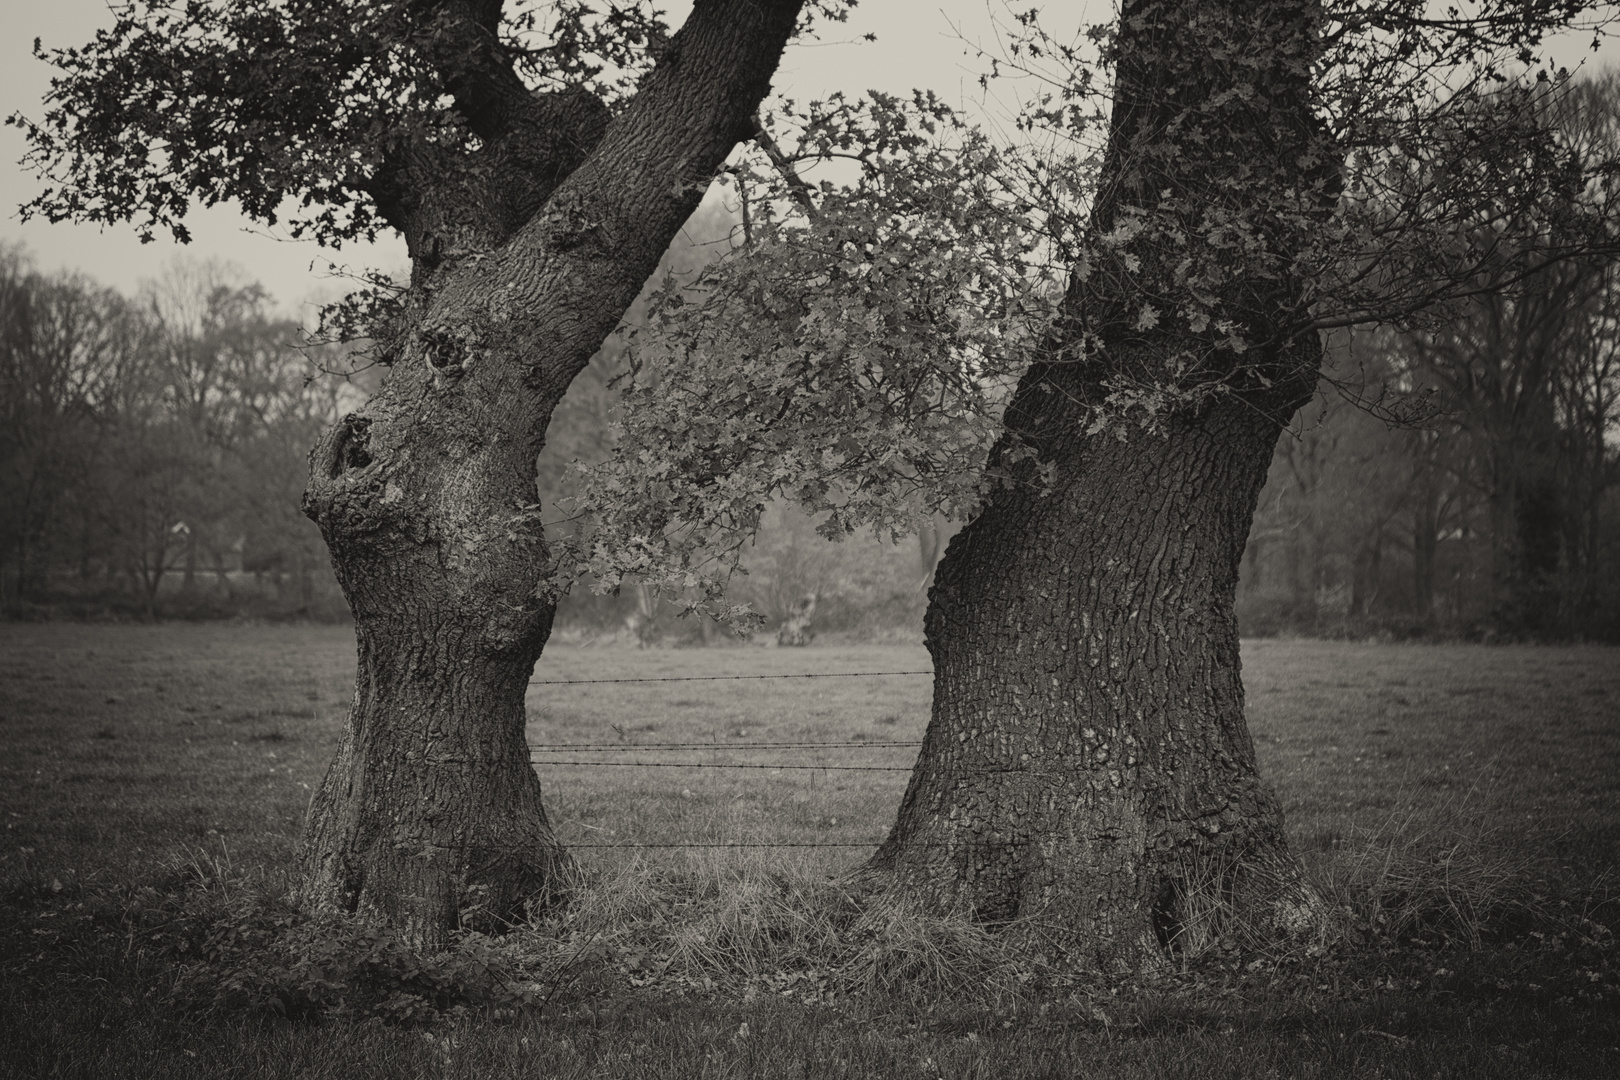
point(918, 45)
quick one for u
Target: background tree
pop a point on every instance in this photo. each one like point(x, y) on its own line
point(153, 441)
point(533, 210)
point(1505, 369)
point(1334, 504)
point(213, 360)
point(1491, 506)
point(65, 348)
point(1267, 172)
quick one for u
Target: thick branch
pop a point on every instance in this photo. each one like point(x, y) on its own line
point(466, 50)
point(448, 202)
point(600, 235)
point(504, 334)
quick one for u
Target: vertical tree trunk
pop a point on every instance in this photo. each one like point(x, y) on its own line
point(1375, 570)
point(1305, 541)
point(1360, 580)
point(1087, 766)
point(188, 580)
point(306, 582)
point(431, 814)
point(1087, 775)
point(1425, 540)
point(525, 258)
point(22, 567)
point(1539, 521)
point(151, 572)
point(1525, 518)
point(1304, 570)
point(1252, 579)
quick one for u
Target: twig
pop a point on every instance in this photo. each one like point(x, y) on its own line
point(797, 187)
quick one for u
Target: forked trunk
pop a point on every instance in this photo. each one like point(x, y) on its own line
point(527, 250)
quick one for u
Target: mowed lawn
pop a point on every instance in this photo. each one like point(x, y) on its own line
point(130, 756)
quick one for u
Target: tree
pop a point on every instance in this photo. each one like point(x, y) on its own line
point(1498, 488)
point(147, 437)
point(65, 346)
point(1341, 485)
point(1505, 366)
point(1087, 762)
point(281, 412)
point(217, 367)
point(1268, 171)
point(533, 211)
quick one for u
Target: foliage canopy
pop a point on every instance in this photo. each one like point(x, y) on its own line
point(292, 109)
point(854, 352)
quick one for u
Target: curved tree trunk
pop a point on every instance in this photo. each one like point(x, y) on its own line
point(526, 253)
point(1087, 768)
point(1087, 775)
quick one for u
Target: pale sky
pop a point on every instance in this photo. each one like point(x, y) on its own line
point(918, 45)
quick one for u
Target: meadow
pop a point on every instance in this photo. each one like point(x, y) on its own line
point(1459, 805)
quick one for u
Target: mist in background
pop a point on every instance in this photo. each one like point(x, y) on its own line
point(156, 416)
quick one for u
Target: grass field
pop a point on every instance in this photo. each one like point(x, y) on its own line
point(1462, 803)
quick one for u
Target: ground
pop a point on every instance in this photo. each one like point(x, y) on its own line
point(1461, 804)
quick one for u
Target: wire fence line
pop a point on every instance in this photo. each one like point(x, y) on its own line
point(725, 844)
point(720, 765)
point(710, 747)
point(631, 748)
point(725, 678)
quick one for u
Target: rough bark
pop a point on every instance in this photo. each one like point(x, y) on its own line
point(1087, 768)
point(1087, 775)
point(525, 256)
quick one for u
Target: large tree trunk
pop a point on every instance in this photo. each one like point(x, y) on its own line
point(427, 497)
point(431, 811)
point(1087, 766)
point(1087, 776)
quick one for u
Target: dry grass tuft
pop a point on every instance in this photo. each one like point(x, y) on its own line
point(756, 925)
point(901, 946)
point(1440, 876)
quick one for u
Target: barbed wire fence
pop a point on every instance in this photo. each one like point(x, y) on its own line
point(715, 746)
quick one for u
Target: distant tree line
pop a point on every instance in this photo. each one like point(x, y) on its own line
point(1461, 474)
point(152, 448)
point(152, 456)
point(1493, 514)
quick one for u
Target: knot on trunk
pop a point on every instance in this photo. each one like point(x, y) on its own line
point(352, 450)
point(571, 226)
point(352, 489)
point(450, 352)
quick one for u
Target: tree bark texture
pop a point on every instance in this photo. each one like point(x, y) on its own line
point(1087, 776)
point(1087, 769)
point(526, 253)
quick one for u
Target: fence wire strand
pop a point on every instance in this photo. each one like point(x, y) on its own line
point(630, 748)
point(705, 844)
point(619, 748)
point(724, 678)
point(718, 765)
